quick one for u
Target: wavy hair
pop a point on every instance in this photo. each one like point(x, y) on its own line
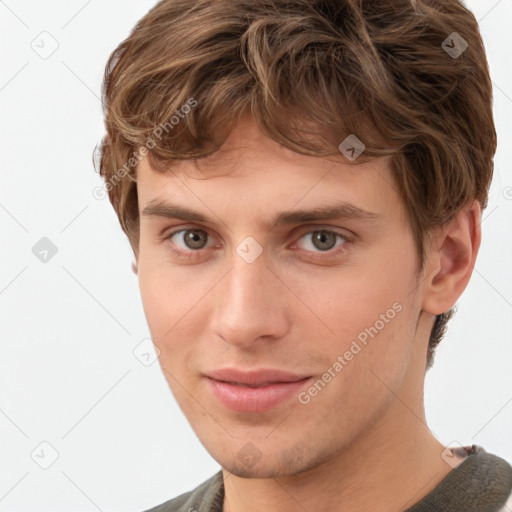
point(310, 72)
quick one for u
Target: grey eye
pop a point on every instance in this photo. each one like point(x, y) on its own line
point(324, 240)
point(193, 238)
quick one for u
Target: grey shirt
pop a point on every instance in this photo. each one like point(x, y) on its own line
point(481, 483)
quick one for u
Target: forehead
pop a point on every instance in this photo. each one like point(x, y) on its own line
point(255, 174)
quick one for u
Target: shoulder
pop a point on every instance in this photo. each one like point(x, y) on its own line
point(507, 507)
point(207, 496)
point(482, 481)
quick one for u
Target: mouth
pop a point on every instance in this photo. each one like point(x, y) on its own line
point(254, 391)
point(263, 384)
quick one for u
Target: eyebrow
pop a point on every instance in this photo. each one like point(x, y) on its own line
point(340, 210)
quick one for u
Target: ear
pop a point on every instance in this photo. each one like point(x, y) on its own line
point(135, 264)
point(450, 259)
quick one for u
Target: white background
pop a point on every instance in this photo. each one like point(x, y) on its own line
point(68, 375)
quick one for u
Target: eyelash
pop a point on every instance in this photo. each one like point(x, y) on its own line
point(336, 251)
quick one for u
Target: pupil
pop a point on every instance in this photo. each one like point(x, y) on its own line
point(195, 239)
point(321, 236)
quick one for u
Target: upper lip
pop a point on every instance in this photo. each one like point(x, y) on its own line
point(254, 377)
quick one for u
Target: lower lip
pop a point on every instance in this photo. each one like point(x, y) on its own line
point(240, 398)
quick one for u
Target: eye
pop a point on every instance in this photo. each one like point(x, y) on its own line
point(190, 244)
point(191, 239)
point(322, 240)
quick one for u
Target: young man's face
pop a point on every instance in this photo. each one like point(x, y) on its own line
point(339, 311)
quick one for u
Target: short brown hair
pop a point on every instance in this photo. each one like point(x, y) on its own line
point(310, 73)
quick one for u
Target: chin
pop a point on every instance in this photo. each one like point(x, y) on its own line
point(289, 462)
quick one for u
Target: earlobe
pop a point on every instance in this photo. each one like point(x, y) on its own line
point(135, 264)
point(451, 259)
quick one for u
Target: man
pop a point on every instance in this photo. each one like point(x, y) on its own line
point(302, 185)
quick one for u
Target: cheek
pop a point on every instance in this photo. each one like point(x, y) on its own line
point(373, 314)
point(163, 294)
point(357, 302)
point(174, 311)
point(164, 307)
point(168, 326)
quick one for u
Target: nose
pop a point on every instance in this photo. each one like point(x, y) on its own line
point(250, 304)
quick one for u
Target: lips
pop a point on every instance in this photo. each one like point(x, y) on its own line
point(254, 378)
point(255, 390)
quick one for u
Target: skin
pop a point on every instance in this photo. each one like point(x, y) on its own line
point(297, 307)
